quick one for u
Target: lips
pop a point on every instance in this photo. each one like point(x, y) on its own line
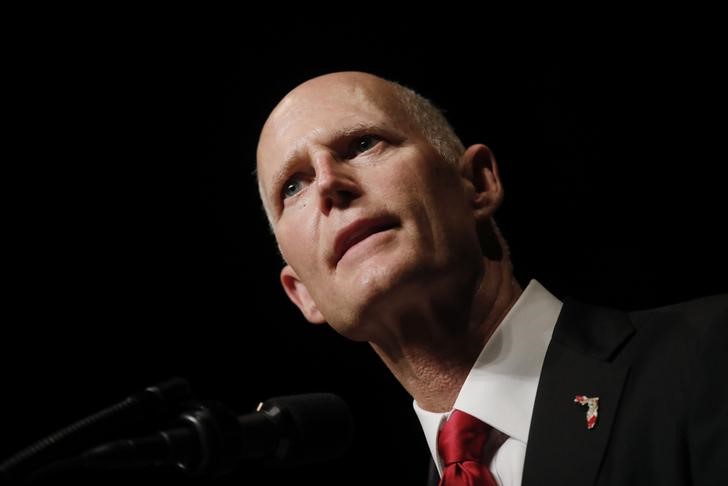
point(359, 230)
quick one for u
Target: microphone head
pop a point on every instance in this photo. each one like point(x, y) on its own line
point(313, 427)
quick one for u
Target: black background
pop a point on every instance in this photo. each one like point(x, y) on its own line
point(137, 250)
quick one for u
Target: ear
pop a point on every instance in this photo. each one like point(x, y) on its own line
point(480, 170)
point(299, 295)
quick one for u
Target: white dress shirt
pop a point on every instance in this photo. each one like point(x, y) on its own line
point(501, 386)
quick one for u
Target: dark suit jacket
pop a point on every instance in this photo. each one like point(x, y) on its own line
point(660, 376)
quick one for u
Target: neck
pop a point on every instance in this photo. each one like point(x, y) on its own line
point(433, 361)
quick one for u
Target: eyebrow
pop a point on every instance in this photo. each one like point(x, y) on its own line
point(340, 133)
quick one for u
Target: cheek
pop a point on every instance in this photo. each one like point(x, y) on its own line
point(298, 245)
point(292, 246)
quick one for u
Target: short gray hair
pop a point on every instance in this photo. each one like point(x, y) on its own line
point(431, 120)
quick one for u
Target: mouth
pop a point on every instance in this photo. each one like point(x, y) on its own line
point(358, 231)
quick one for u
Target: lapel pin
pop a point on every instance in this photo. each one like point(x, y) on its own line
point(592, 412)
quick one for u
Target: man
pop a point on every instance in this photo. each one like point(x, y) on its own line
point(385, 222)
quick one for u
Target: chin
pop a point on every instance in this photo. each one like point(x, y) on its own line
point(378, 284)
point(377, 278)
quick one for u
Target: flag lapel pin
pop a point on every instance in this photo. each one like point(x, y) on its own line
point(592, 411)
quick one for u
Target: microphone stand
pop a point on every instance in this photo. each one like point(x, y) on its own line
point(154, 403)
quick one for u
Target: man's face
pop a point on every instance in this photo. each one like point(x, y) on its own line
point(366, 213)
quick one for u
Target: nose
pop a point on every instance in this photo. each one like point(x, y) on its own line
point(335, 182)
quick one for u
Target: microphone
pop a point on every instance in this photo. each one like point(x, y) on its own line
point(210, 440)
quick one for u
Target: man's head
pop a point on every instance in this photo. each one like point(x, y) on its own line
point(373, 200)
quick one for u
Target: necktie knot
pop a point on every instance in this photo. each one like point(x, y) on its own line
point(462, 438)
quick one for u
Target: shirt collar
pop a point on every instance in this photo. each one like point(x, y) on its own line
point(501, 386)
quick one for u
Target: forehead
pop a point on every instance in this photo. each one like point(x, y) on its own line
point(315, 114)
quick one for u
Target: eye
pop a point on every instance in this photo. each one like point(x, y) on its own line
point(362, 144)
point(291, 188)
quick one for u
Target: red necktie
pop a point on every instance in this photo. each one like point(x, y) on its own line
point(460, 444)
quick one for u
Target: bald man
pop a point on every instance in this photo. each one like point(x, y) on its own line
point(386, 225)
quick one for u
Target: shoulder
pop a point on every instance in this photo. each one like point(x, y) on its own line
point(675, 331)
point(697, 320)
point(704, 309)
point(686, 341)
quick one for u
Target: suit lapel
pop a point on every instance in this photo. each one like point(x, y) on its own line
point(561, 449)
